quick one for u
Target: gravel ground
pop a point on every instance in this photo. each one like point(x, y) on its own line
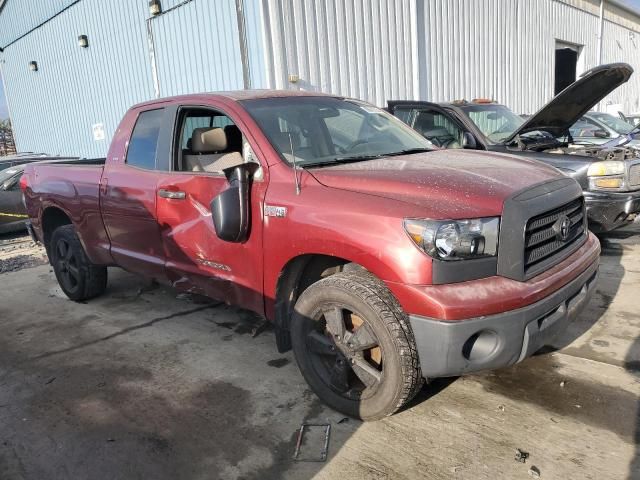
point(18, 251)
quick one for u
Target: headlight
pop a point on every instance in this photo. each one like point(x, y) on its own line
point(601, 169)
point(455, 239)
point(609, 174)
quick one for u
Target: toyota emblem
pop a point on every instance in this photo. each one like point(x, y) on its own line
point(563, 228)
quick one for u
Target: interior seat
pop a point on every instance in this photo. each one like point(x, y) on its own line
point(209, 151)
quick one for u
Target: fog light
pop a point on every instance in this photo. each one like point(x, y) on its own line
point(480, 346)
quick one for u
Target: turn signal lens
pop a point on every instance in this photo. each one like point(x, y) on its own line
point(607, 182)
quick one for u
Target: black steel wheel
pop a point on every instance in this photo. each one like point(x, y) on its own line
point(354, 346)
point(78, 277)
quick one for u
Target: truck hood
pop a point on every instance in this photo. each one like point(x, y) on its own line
point(445, 183)
point(573, 102)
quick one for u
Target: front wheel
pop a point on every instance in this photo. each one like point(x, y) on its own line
point(354, 346)
point(78, 277)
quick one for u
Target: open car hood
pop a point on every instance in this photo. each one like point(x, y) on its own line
point(573, 102)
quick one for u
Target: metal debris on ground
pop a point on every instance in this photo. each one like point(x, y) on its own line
point(306, 427)
point(563, 383)
point(501, 408)
point(534, 472)
point(259, 328)
point(521, 456)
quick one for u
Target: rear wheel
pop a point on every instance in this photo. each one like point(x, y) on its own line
point(78, 277)
point(354, 346)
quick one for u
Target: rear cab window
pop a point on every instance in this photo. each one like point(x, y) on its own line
point(143, 144)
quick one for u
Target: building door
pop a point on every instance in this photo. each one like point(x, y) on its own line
point(196, 48)
point(566, 68)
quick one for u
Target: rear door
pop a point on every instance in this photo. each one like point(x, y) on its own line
point(196, 259)
point(128, 199)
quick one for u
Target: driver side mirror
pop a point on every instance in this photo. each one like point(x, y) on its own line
point(469, 141)
point(230, 209)
point(601, 134)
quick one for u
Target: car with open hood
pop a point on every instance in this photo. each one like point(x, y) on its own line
point(609, 174)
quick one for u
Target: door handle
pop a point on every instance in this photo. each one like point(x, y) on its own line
point(174, 194)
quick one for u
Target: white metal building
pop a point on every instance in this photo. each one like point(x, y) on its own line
point(67, 95)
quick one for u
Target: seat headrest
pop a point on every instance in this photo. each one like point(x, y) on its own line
point(206, 140)
point(234, 138)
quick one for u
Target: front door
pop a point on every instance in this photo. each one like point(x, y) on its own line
point(196, 259)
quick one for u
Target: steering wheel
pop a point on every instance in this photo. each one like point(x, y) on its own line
point(355, 144)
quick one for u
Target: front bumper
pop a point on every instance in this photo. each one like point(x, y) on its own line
point(448, 348)
point(610, 210)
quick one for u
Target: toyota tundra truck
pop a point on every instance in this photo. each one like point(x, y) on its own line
point(380, 260)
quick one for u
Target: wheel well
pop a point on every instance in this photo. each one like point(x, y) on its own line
point(298, 275)
point(52, 218)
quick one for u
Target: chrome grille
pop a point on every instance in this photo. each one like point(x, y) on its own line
point(634, 175)
point(543, 239)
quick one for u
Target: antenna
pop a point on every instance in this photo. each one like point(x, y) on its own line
point(295, 166)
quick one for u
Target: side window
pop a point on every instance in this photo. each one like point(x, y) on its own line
point(403, 113)
point(438, 128)
point(205, 139)
point(144, 140)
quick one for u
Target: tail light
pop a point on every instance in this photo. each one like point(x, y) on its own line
point(23, 183)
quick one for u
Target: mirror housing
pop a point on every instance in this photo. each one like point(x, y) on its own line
point(601, 133)
point(469, 141)
point(230, 209)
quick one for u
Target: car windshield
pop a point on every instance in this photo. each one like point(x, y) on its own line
point(327, 130)
point(613, 123)
point(496, 122)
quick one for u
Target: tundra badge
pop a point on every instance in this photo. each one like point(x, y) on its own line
point(273, 211)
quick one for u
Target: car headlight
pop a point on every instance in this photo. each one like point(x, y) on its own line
point(455, 239)
point(601, 169)
point(609, 174)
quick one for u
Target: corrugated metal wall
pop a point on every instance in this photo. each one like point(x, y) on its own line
point(18, 18)
point(358, 48)
point(53, 109)
point(197, 48)
point(506, 50)
point(371, 49)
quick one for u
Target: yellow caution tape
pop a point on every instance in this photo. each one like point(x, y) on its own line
point(15, 215)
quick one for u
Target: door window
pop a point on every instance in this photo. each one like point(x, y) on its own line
point(206, 138)
point(144, 139)
point(438, 128)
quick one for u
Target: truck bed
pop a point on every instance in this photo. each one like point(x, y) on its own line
point(72, 188)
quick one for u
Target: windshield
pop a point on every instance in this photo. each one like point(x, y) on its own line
point(496, 122)
point(614, 123)
point(325, 130)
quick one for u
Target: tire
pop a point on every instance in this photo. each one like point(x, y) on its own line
point(370, 315)
point(78, 277)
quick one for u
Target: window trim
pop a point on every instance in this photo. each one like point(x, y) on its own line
point(133, 129)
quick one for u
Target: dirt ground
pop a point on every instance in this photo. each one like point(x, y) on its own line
point(144, 383)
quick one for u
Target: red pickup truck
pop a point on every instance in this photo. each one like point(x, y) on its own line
point(380, 260)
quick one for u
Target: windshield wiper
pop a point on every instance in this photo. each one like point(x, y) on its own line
point(409, 151)
point(341, 160)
